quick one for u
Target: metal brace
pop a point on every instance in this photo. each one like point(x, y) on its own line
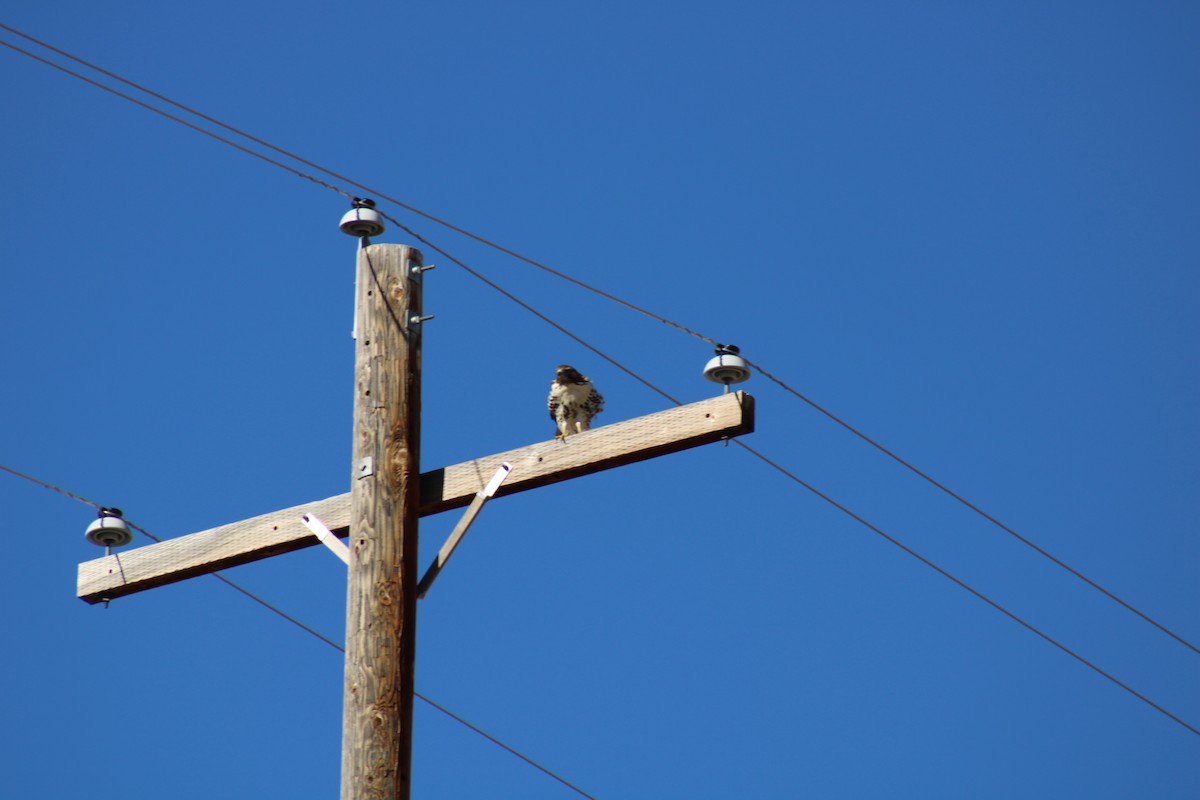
point(460, 530)
point(327, 537)
point(365, 467)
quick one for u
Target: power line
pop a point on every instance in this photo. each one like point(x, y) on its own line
point(416, 694)
point(51, 487)
point(496, 741)
point(844, 509)
point(962, 584)
point(557, 273)
point(276, 610)
point(828, 499)
point(793, 477)
point(368, 189)
point(771, 377)
point(169, 116)
point(479, 276)
point(950, 492)
point(326, 170)
point(608, 296)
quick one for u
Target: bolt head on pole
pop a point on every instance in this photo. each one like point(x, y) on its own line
point(110, 530)
point(362, 220)
point(727, 366)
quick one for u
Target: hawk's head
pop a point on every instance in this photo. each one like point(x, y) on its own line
point(568, 374)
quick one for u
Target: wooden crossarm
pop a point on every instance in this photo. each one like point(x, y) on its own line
point(535, 465)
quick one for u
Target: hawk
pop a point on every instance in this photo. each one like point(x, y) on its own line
point(573, 401)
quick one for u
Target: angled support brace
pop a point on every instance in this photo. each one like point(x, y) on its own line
point(327, 537)
point(460, 530)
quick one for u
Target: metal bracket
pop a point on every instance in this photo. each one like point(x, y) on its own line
point(460, 530)
point(365, 467)
point(327, 538)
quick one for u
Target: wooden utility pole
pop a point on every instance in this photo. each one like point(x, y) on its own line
point(380, 514)
point(381, 598)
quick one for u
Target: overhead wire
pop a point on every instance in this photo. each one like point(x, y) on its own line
point(280, 612)
point(341, 649)
point(595, 350)
point(379, 193)
point(550, 270)
point(964, 501)
point(479, 276)
point(51, 487)
point(789, 389)
point(963, 585)
point(818, 493)
point(168, 115)
point(827, 498)
point(154, 538)
point(437, 706)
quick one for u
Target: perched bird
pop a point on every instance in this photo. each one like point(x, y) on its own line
point(573, 401)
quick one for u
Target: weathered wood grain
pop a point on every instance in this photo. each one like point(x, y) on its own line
point(381, 593)
point(442, 489)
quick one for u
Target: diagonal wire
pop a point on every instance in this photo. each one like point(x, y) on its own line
point(345, 179)
point(539, 265)
point(496, 741)
point(962, 584)
point(479, 276)
point(307, 629)
point(964, 501)
point(869, 440)
point(418, 695)
point(51, 487)
point(169, 116)
point(828, 499)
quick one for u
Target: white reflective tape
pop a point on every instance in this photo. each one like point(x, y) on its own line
point(497, 479)
point(326, 537)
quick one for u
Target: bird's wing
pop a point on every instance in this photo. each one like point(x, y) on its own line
point(595, 402)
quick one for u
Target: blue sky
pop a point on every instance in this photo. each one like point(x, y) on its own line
point(969, 231)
